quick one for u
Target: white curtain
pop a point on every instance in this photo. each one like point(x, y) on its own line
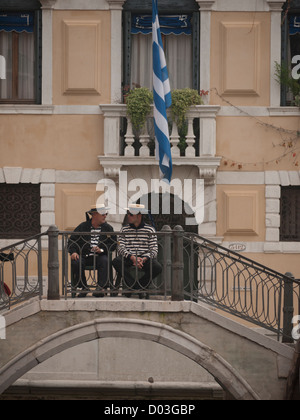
point(178, 51)
point(6, 52)
point(179, 58)
point(26, 66)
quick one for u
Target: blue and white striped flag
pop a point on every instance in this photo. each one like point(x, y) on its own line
point(162, 99)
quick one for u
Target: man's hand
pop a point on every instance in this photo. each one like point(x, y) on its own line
point(75, 257)
point(97, 250)
point(139, 262)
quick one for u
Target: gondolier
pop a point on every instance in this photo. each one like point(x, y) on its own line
point(138, 248)
point(92, 250)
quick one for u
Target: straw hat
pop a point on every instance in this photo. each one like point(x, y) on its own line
point(137, 209)
point(100, 208)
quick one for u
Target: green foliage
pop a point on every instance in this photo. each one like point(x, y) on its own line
point(284, 77)
point(182, 100)
point(140, 99)
point(139, 102)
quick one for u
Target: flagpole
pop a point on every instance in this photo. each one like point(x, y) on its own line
point(162, 99)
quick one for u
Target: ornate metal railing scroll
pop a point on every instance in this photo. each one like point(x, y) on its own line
point(21, 275)
point(242, 287)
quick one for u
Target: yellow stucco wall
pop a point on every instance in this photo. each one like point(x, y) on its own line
point(257, 143)
point(65, 142)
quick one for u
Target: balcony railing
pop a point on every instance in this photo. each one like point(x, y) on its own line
point(124, 147)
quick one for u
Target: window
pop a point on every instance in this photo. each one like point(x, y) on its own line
point(20, 36)
point(290, 214)
point(20, 209)
point(180, 32)
point(177, 39)
point(291, 47)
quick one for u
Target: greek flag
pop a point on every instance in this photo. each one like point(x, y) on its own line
point(162, 99)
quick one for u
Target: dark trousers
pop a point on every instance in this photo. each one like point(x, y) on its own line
point(151, 270)
point(101, 266)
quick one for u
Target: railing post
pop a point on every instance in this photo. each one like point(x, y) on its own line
point(40, 267)
point(53, 264)
point(167, 253)
point(178, 267)
point(288, 309)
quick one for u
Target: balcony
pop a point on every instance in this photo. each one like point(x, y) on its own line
point(124, 148)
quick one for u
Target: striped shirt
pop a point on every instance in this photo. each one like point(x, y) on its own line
point(138, 242)
point(95, 236)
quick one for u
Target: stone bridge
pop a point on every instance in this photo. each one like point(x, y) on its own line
point(247, 364)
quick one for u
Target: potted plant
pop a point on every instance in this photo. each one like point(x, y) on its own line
point(139, 101)
point(182, 100)
point(284, 77)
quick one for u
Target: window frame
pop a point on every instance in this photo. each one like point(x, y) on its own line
point(288, 193)
point(294, 8)
point(177, 7)
point(35, 7)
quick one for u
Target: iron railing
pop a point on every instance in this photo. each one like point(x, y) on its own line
point(240, 286)
point(21, 273)
point(191, 268)
point(83, 277)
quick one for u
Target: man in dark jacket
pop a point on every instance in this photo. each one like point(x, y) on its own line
point(92, 249)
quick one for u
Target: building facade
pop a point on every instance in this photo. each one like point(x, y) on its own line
point(66, 138)
point(65, 65)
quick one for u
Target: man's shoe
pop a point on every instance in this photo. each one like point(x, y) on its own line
point(98, 293)
point(144, 296)
point(83, 293)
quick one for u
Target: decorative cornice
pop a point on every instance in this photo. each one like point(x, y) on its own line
point(208, 174)
point(48, 4)
point(275, 5)
point(207, 166)
point(206, 5)
point(116, 4)
point(27, 109)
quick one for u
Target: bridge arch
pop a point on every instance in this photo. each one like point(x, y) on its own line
point(220, 369)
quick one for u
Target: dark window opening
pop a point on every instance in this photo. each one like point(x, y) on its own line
point(20, 210)
point(290, 214)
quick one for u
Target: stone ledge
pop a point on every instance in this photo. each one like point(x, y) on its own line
point(130, 305)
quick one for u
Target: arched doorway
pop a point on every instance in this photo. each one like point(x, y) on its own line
point(169, 210)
